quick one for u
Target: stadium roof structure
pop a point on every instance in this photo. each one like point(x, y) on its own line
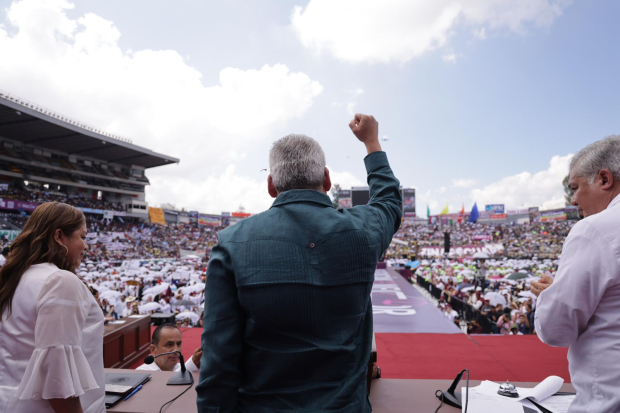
point(32, 124)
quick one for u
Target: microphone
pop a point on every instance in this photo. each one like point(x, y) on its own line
point(183, 377)
point(452, 397)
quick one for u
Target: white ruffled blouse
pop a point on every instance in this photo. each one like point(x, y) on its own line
point(52, 344)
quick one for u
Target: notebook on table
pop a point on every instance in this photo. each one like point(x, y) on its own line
point(119, 385)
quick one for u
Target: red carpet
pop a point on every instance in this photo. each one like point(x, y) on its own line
point(442, 356)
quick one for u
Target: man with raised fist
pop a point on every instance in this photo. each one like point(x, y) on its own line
point(288, 316)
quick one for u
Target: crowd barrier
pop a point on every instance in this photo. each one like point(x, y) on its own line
point(466, 311)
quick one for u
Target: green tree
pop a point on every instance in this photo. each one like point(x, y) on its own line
point(335, 195)
point(568, 193)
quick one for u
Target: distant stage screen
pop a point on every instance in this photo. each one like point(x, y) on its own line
point(360, 196)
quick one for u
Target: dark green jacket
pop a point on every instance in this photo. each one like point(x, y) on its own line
point(288, 317)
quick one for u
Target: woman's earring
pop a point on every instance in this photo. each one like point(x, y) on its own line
point(67, 253)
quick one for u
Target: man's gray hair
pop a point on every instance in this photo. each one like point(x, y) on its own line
point(296, 162)
point(603, 154)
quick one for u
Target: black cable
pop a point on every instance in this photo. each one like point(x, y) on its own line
point(441, 398)
point(184, 391)
point(467, 391)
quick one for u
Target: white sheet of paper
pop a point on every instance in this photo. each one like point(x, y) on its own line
point(117, 322)
point(557, 404)
point(482, 403)
point(543, 390)
point(135, 316)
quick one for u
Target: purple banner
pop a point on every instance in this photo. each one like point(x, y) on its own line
point(398, 307)
point(21, 205)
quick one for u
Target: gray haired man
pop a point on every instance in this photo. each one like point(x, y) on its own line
point(580, 308)
point(288, 317)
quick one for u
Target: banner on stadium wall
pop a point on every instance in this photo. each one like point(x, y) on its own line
point(102, 211)
point(409, 202)
point(18, 205)
point(156, 215)
point(495, 208)
point(9, 234)
point(555, 215)
point(344, 199)
point(211, 220)
point(499, 216)
point(517, 211)
point(193, 217)
point(481, 237)
point(108, 214)
point(241, 214)
point(461, 251)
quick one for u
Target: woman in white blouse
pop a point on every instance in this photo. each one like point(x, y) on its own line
point(51, 327)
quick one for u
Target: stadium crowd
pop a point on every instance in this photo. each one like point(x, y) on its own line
point(32, 193)
point(496, 292)
point(160, 276)
point(541, 239)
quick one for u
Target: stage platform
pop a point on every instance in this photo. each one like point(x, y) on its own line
point(415, 341)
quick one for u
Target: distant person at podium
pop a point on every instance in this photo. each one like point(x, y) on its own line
point(288, 317)
point(51, 329)
point(580, 308)
point(167, 337)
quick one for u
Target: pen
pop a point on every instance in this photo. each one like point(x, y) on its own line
point(133, 392)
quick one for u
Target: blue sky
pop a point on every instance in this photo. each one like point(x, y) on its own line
point(481, 101)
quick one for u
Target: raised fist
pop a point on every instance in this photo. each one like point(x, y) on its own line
point(365, 128)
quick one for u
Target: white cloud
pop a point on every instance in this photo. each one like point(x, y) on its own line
point(526, 189)
point(351, 107)
point(463, 183)
point(480, 33)
point(345, 179)
point(399, 30)
point(76, 67)
point(226, 191)
point(449, 58)
point(543, 188)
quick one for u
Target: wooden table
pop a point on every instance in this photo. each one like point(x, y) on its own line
point(155, 393)
point(406, 396)
point(386, 395)
point(124, 344)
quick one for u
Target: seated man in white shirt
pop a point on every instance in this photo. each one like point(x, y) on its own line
point(166, 338)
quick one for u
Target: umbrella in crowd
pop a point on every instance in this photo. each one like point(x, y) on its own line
point(527, 294)
point(188, 314)
point(181, 303)
point(110, 294)
point(519, 276)
point(495, 298)
point(149, 307)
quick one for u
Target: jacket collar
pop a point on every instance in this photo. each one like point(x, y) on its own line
point(302, 195)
